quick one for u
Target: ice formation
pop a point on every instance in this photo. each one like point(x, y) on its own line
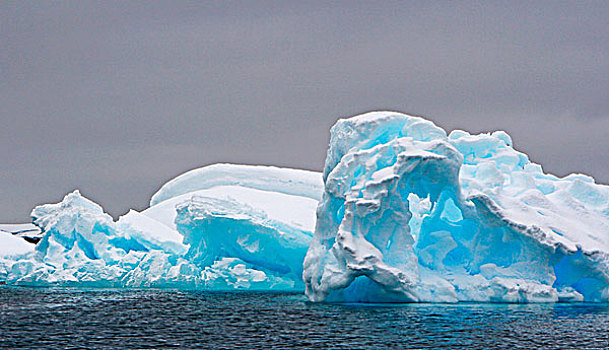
point(282, 180)
point(231, 232)
point(11, 248)
point(411, 214)
point(404, 213)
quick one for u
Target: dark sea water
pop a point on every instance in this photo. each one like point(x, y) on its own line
point(32, 318)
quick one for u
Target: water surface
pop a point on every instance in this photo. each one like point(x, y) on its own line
point(33, 318)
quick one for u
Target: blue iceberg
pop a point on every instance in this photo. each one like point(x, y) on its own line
point(223, 232)
point(411, 214)
point(403, 212)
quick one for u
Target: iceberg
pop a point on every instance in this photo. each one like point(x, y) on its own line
point(403, 212)
point(411, 214)
point(231, 232)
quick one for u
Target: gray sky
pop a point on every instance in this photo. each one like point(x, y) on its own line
point(116, 98)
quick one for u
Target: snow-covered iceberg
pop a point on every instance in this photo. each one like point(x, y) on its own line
point(231, 232)
point(403, 213)
point(412, 214)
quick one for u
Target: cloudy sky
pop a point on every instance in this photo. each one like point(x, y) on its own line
point(116, 98)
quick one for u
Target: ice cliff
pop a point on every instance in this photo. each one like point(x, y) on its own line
point(412, 214)
point(211, 230)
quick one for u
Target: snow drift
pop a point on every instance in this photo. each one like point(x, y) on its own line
point(411, 214)
point(296, 182)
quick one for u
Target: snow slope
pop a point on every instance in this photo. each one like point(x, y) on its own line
point(297, 182)
point(11, 246)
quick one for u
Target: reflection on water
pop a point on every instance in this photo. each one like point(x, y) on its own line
point(108, 319)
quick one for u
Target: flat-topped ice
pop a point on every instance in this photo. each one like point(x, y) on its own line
point(302, 183)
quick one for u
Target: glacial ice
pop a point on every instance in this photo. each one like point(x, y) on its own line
point(403, 212)
point(217, 237)
point(411, 214)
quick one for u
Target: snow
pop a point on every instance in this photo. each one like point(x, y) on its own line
point(18, 228)
point(412, 214)
point(291, 209)
point(152, 233)
point(29, 232)
point(12, 246)
point(297, 182)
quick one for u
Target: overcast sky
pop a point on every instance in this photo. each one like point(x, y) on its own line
point(116, 98)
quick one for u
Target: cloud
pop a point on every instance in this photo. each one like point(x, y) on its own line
point(117, 98)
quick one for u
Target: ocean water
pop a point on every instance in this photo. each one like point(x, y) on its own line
point(57, 318)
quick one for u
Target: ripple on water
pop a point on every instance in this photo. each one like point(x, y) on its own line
point(109, 319)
